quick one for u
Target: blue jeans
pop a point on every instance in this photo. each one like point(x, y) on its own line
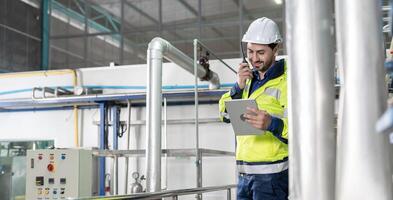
point(263, 186)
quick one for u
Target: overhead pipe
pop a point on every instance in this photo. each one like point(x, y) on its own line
point(363, 166)
point(158, 50)
point(54, 73)
point(311, 99)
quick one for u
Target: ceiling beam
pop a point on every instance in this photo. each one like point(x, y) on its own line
point(196, 14)
point(143, 13)
point(213, 22)
point(189, 7)
point(245, 11)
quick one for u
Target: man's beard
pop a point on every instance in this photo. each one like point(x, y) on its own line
point(265, 66)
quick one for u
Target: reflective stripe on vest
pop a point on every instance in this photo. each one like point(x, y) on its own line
point(263, 169)
point(273, 92)
point(286, 112)
point(224, 114)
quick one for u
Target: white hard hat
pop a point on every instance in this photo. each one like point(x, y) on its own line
point(262, 31)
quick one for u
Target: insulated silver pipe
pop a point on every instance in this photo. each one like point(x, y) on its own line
point(363, 166)
point(158, 50)
point(312, 140)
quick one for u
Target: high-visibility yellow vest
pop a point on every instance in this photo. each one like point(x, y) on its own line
point(265, 148)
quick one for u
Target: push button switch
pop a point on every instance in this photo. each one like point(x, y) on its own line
point(51, 167)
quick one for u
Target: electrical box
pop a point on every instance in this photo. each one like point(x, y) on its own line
point(59, 174)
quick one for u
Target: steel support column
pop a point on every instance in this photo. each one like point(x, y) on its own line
point(45, 34)
point(121, 27)
point(160, 17)
point(85, 38)
point(241, 17)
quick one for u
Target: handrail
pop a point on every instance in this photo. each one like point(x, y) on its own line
point(198, 162)
point(167, 193)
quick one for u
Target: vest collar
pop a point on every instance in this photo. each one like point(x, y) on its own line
point(276, 70)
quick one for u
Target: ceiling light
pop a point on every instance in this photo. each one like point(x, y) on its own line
point(279, 2)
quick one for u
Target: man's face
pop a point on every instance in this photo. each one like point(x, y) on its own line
point(261, 56)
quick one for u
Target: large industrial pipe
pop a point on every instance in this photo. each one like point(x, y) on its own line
point(311, 103)
point(157, 50)
point(363, 167)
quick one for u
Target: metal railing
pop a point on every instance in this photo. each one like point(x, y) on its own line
point(168, 193)
point(198, 162)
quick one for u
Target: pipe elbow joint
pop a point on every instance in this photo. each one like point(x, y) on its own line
point(158, 44)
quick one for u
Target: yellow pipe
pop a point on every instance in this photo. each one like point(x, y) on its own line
point(54, 72)
point(76, 113)
point(76, 126)
point(37, 73)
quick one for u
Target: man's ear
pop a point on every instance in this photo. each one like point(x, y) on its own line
point(275, 50)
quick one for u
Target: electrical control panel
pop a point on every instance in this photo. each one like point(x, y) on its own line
point(59, 174)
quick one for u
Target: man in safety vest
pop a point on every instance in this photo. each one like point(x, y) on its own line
point(262, 159)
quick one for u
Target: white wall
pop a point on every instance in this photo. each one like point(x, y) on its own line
point(58, 125)
point(130, 78)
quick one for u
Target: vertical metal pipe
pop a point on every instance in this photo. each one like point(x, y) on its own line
point(196, 94)
point(157, 50)
point(113, 175)
point(165, 143)
point(311, 104)
point(199, 172)
point(364, 169)
point(102, 146)
point(153, 120)
point(198, 158)
point(128, 145)
point(229, 194)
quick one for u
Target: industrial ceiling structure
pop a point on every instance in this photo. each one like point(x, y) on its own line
point(90, 33)
point(120, 30)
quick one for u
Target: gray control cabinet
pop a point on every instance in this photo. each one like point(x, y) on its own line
point(59, 174)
